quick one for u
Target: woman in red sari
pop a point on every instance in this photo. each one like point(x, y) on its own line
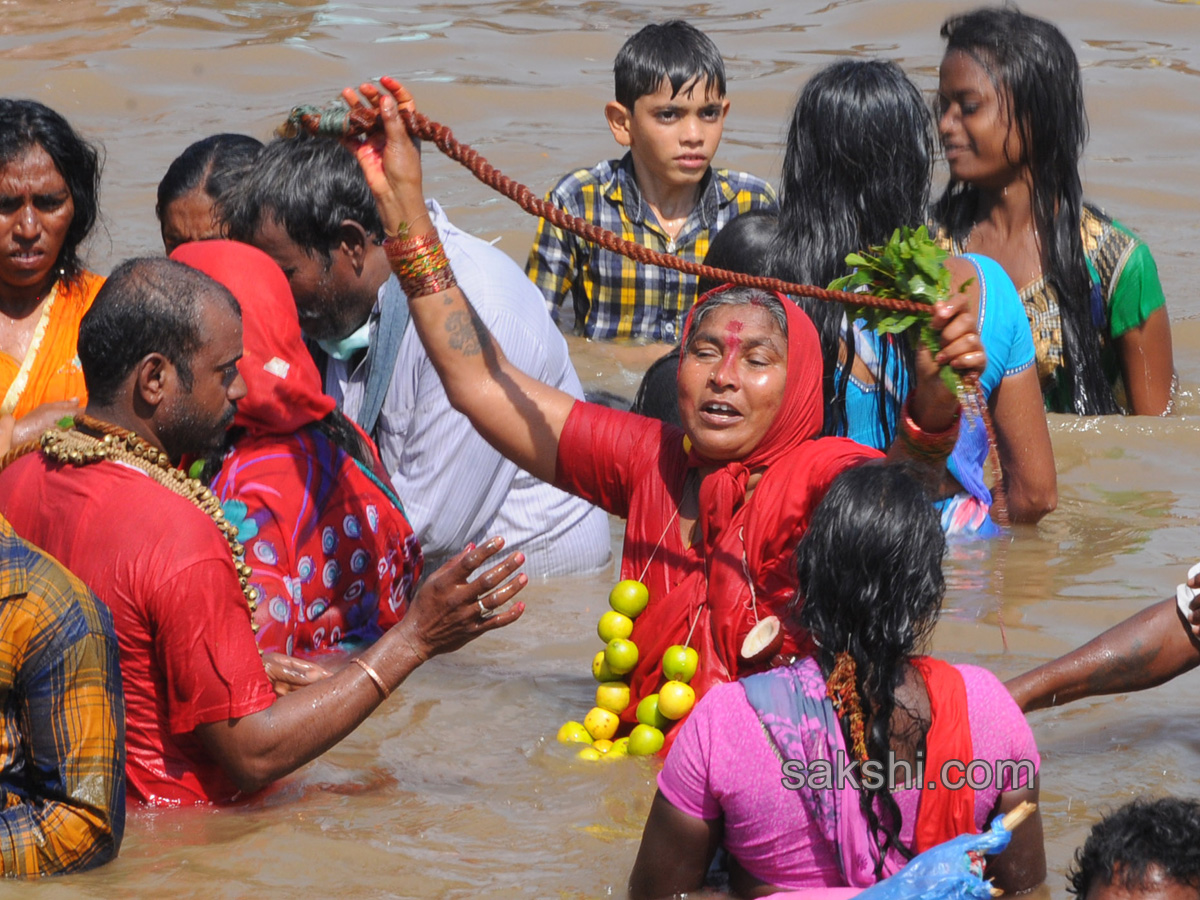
point(334, 559)
point(713, 509)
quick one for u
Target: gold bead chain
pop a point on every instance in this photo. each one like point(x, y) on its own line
point(78, 448)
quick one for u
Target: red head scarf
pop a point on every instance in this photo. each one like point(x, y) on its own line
point(741, 572)
point(283, 387)
point(800, 419)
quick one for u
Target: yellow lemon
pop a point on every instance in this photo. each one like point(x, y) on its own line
point(675, 700)
point(614, 625)
point(620, 747)
point(603, 746)
point(621, 655)
point(645, 740)
point(629, 597)
point(600, 670)
point(591, 754)
point(613, 696)
point(601, 724)
point(574, 733)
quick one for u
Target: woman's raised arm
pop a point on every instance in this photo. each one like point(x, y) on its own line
point(518, 415)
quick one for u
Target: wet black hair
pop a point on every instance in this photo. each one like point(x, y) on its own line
point(857, 166)
point(1036, 75)
point(675, 50)
point(1141, 842)
point(210, 164)
point(145, 306)
point(740, 246)
point(310, 186)
point(869, 570)
point(27, 123)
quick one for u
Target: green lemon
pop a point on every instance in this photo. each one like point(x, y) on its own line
point(621, 655)
point(679, 663)
point(645, 740)
point(648, 714)
point(629, 598)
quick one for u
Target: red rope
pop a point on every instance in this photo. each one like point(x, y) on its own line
point(360, 121)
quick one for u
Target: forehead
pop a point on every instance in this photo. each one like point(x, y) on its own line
point(697, 92)
point(220, 327)
point(746, 320)
point(31, 168)
point(964, 71)
point(272, 238)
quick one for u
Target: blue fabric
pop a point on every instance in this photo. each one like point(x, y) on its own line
point(1004, 329)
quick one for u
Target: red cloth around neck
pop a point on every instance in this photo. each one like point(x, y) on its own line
point(944, 813)
point(747, 546)
point(283, 386)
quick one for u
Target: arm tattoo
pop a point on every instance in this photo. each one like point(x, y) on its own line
point(467, 332)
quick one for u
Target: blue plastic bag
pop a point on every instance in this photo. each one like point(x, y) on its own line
point(944, 872)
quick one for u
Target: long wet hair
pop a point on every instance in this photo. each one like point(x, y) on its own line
point(869, 570)
point(1036, 75)
point(857, 166)
point(25, 124)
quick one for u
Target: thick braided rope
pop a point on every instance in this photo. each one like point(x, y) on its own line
point(335, 122)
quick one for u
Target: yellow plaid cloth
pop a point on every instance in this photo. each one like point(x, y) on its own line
point(62, 784)
point(613, 296)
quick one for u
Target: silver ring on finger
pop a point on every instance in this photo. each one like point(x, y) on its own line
point(483, 610)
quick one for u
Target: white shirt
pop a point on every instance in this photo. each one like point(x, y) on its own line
point(455, 487)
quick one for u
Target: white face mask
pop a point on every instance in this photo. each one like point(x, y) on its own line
point(349, 345)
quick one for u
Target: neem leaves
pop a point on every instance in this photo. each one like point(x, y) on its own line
point(911, 266)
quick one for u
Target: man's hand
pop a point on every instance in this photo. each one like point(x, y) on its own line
point(449, 611)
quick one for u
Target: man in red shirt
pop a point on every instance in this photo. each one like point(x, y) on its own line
point(159, 351)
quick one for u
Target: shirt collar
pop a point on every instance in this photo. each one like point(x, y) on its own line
point(622, 188)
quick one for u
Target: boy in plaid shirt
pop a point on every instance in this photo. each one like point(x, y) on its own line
point(669, 111)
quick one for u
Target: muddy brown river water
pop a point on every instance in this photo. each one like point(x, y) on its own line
point(456, 787)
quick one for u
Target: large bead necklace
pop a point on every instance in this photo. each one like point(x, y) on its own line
point(79, 448)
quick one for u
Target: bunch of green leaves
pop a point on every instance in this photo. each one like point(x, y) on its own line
point(910, 266)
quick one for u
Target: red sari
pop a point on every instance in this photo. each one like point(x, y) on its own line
point(741, 570)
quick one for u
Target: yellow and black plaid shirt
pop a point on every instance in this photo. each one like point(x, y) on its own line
point(613, 296)
point(63, 746)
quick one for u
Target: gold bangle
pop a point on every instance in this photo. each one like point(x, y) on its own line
point(373, 675)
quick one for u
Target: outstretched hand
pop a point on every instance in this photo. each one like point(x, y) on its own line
point(449, 611)
point(390, 159)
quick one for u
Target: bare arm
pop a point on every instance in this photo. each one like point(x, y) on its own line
point(1023, 443)
point(1021, 866)
point(675, 854)
point(1145, 650)
point(1148, 364)
point(260, 748)
point(518, 415)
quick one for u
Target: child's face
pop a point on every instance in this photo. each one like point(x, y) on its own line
point(673, 139)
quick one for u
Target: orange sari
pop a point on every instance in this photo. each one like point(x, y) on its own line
point(50, 370)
